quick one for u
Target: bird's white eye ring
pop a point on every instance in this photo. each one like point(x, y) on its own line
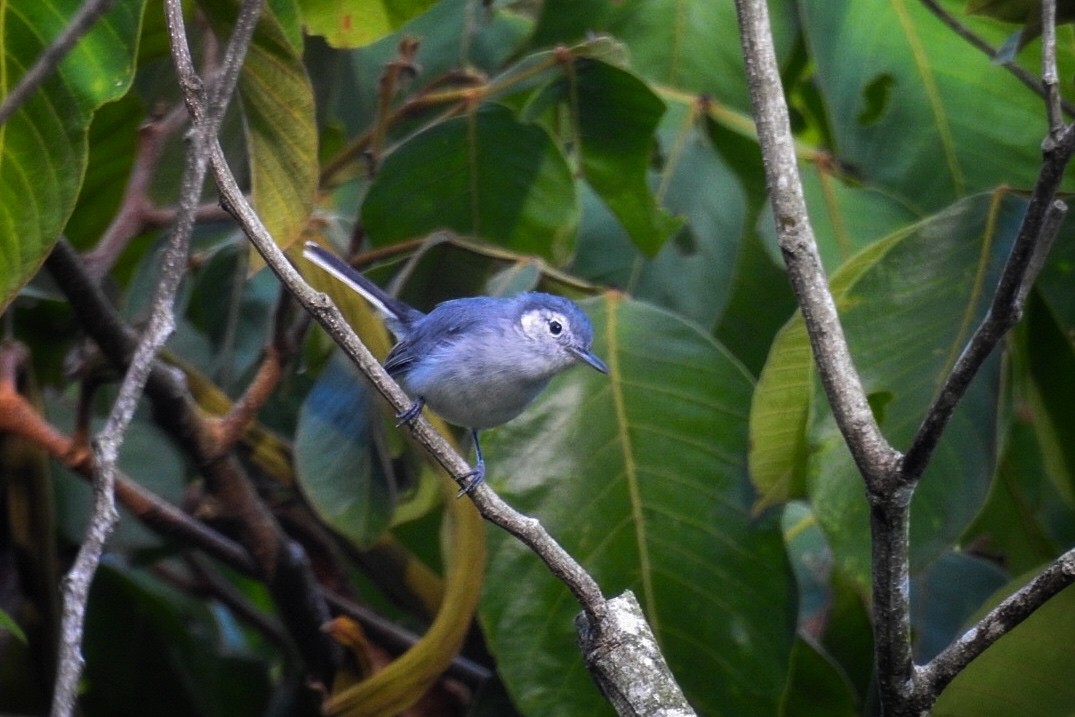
point(555, 328)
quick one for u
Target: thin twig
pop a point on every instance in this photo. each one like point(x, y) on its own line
point(83, 20)
point(978, 43)
point(1050, 81)
point(1000, 621)
point(160, 326)
point(1036, 235)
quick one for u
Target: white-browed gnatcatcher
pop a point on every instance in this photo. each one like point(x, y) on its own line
point(479, 361)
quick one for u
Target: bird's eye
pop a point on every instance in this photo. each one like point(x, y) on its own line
point(555, 328)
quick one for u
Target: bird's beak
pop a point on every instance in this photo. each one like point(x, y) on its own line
point(589, 359)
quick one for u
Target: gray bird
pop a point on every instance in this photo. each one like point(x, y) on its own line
point(478, 361)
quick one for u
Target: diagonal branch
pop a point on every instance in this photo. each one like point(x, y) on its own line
point(1001, 620)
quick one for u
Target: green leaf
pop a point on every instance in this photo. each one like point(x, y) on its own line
point(884, 67)
point(1029, 671)
point(945, 595)
point(779, 415)
point(353, 23)
point(690, 45)
point(146, 653)
point(693, 273)
point(641, 475)
point(1024, 522)
point(616, 116)
point(278, 114)
point(484, 174)
point(845, 218)
point(908, 313)
point(43, 144)
point(816, 685)
point(908, 305)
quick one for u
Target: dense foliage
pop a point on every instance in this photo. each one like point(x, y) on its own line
point(603, 150)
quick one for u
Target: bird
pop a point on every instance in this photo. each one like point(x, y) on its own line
point(476, 361)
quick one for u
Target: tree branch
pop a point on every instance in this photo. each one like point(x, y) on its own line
point(492, 508)
point(872, 453)
point(935, 676)
point(1032, 244)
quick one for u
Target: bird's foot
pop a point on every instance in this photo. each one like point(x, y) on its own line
point(471, 480)
point(411, 413)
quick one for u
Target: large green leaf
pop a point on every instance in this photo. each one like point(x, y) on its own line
point(352, 23)
point(692, 274)
point(642, 477)
point(691, 45)
point(908, 306)
point(1029, 671)
point(1050, 351)
point(885, 66)
point(845, 218)
point(43, 144)
point(484, 174)
point(615, 116)
point(278, 114)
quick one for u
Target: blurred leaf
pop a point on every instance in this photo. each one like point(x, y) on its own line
point(1007, 10)
point(1028, 671)
point(353, 23)
point(779, 415)
point(848, 636)
point(281, 132)
point(693, 273)
point(8, 624)
point(148, 457)
point(1050, 350)
point(908, 316)
point(43, 144)
point(339, 460)
point(1018, 524)
point(945, 595)
point(642, 477)
point(974, 121)
point(616, 116)
point(407, 678)
point(485, 174)
point(112, 141)
point(811, 560)
point(816, 685)
point(146, 654)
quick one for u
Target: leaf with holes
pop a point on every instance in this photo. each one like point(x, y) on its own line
point(641, 475)
point(884, 66)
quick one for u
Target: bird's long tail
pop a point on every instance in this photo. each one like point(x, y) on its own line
point(394, 310)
